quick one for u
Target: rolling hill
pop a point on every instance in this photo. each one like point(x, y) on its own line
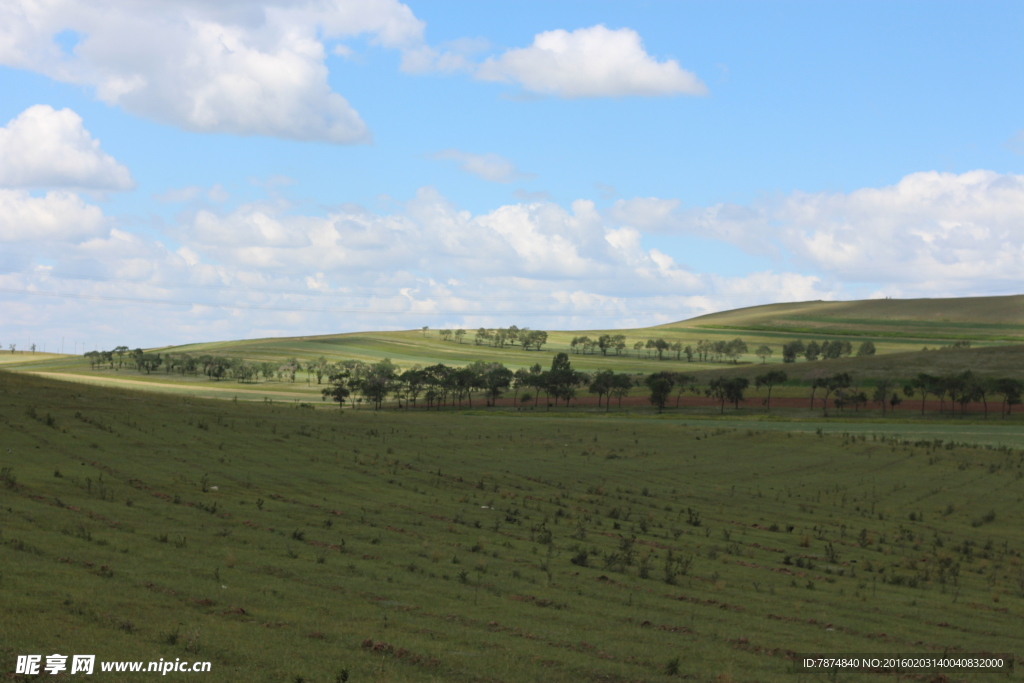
point(901, 330)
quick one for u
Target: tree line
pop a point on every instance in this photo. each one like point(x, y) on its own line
point(441, 385)
point(501, 337)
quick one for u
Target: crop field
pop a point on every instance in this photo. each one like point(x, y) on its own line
point(287, 543)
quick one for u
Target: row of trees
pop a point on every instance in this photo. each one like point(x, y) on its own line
point(961, 389)
point(438, 384)
point(213, 366)
point(501, 337)
point(812, 350)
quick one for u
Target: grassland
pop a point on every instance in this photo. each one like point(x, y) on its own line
point(899, 329)
point(284, 543)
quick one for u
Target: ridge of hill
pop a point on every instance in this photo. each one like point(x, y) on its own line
point(978, 318)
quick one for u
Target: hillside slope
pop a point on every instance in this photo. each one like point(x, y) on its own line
point(977, 318)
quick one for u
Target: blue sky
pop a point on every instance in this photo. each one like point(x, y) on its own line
point(260, 168)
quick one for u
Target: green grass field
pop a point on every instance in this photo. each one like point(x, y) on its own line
point(285, 543)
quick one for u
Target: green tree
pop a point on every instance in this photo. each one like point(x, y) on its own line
point(660, 384)
point(734, 349)
point(838, 382)
point(459, 334)
point(924, 384)
point(770, 379)
point(764, 352)
point(883, 389)
point(866, 348)
point(601, 384)
point(338, 388)
point(1011, 390)
point(378, 382)
point(791, 350)
point(812, 350)
point(497, 379)
point(728, 390)
point(621, 386)
point(683, 382)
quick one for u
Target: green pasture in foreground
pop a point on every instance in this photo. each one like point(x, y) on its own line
point(284, 543)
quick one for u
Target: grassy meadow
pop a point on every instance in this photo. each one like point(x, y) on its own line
point(290, 543)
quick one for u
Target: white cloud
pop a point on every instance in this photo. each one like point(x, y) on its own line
point(263, 269)
point(235, 67)
point(590, 62)
point(58, 216)
point(490, 167)
point(929, 233)
point(43, 147)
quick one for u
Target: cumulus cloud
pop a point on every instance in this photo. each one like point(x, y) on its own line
point(264, 269)
point(490, 167)
point(43, 147)
point(246, 68)
point(590, 62)
point(931, 231)
point(58, 216)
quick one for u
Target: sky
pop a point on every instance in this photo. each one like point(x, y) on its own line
point(176, 171)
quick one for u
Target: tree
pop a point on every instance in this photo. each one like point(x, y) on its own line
point(621, 386)
point(735, 348)
point(338, 387)
point(638, 347)
point(320, 368)
point(446, 335)
point(604, 342)
point(923, 383)
point(496, 379)
point(425, 328)
point(619, 343)
point(866, 348)
point(534, 338)
point(728, 389)
point(859, 399)
point(763, 352)
point(562, 379)
point(32, 348)
point(413, 379)
point(812, 350)
point(838, 382)
point(120, 351)
point(378, 382)
point(601, 384)
point(459, 334)
point(836, 349)
point(882, 391)
point(791, 350)
point(1011, 390)
point(684, 382)
point(770, 379)
point(660, 384)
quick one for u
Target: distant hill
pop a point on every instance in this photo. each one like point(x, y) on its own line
point(993, 318)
